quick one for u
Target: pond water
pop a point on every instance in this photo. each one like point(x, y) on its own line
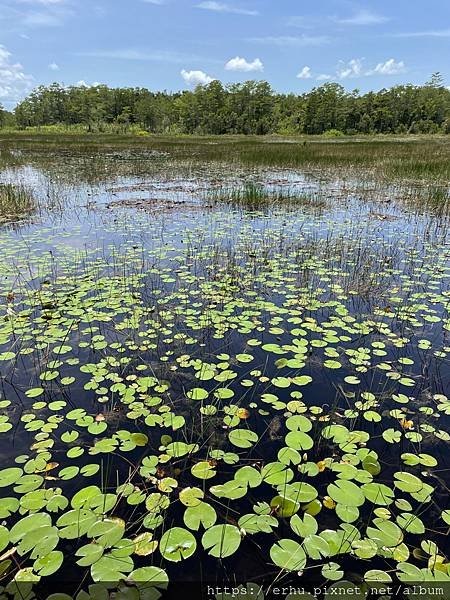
point(213, 375)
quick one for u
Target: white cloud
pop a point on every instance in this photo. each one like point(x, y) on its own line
point(14, 82)
point(41, 13)
point(18, 16)
point(436, 33)
point(363, 17)
point(354, 68)
point(390, 67)
point(305, 73)
point(167, 56)
point(196, 77)
point(287, 40)
point(155, 2)
point(226, 8)
point(43, 2)
point(82, 83)
point(240, 64)
point(42, 19)
point(53, 66)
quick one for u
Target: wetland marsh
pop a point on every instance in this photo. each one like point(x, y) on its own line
point(223, 362)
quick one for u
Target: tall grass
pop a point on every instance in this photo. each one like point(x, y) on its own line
point(418, 158)
point(15, 201)
point(253, 196)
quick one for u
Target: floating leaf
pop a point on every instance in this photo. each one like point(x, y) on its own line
point(346, 493)
point(221, 541)
point(288, 555)
point(243, 438)
point(177, 544)
point(10, 476)
point(191, 496)
point(200, 514)
point(203, 470)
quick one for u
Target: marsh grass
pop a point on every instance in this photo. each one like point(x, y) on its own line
point(255, 196)
point(418, 158)
point(16, 201)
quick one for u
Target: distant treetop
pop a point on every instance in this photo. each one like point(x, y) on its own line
point(240, 108)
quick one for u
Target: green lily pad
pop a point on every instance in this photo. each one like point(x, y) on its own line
point(288, 555)
point(177, 544)
point(346, 493)
point(221, 541)
point(243, 438)
point(200, 514)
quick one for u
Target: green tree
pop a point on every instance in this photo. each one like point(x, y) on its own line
point(241, 108)
point(250, 107)
point(436, 81)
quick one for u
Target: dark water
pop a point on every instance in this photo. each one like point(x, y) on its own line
point(186, 275)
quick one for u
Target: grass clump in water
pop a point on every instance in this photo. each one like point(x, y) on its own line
point(15, 202)
point(254, 196)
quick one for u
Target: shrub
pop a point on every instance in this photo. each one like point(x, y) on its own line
point(333, 133)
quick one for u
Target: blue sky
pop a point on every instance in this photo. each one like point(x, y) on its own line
point(175, 44)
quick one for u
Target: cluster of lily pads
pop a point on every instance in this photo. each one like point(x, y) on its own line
point(224, 385)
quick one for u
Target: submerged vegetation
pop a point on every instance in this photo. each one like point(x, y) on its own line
point(218, 373)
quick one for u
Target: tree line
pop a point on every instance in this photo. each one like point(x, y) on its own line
point(240, 108)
